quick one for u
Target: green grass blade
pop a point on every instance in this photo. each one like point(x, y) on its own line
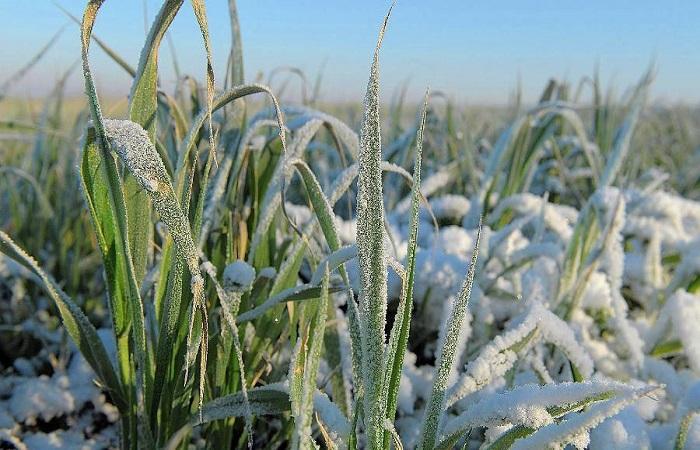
point(230, 303)
point(115, 212)
point(563, 432)
point(131, 142)
point(371, 256)
point(77, 324)
point(100, 43)
point(143, 107)
point(188, 144)
point(398, 340)
point(169, 324)
point(553, 400)
point(144, 90)
point(624, 134)
point(312, 359)
point(265, 400)
point(322, 207)
point(106, 204)
point(683, 428)
point(236, 56)
point(274, 196)
point(296, 383)
point(326, 219)
point(445, 358)
point(302, 291)
point(200, 13)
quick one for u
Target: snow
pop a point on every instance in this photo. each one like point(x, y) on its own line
point(557, 218)
point(406, 398)
point(625, 431)
point(575, 429)
point(59, 440)
point(557, 332)
point(238, 276)
point(597, 294)
point(527, 404)
point(36, 398)
point(7, 439)
point(448, 207)
point(6, 420)
point(692, 397)
point(24, 367)
point(496, 358)
point(455, 241)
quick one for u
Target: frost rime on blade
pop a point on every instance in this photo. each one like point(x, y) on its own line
point(371, 256)
point(130, 141)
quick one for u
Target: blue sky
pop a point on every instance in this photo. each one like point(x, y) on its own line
point(475, 51)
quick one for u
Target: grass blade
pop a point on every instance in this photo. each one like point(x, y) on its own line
point(14, 78)
point(306, 380)
point(201, 13)
point(131, 142)
point(264, 400)
point(100, 43)
point(372, 262)
point(443, 365)
point(142, 110)
point(77, 324)
point(398, 340)
point(236, 56)
point(114, 214)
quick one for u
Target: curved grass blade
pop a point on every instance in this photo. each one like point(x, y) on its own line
point(144, 90)
point(564, 432)
point(264, 400)
point(15, 77)
point(98, 175)
point(551, 401)
point(100, 43)
point(131, 142)
point(42, 200)
point(624, 134)
point(228, 168)
point(344, 133)
point(302, 291)
point(274, 196)
point(326, 219)
point(200, 13)
point(186, 147)
point(77, 324)
point(143, 107)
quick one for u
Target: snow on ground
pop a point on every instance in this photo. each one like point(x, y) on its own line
point(65, 410)
point(629, 306)
point(515, 343)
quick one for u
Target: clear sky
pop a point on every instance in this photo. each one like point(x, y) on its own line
point(475, 51)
